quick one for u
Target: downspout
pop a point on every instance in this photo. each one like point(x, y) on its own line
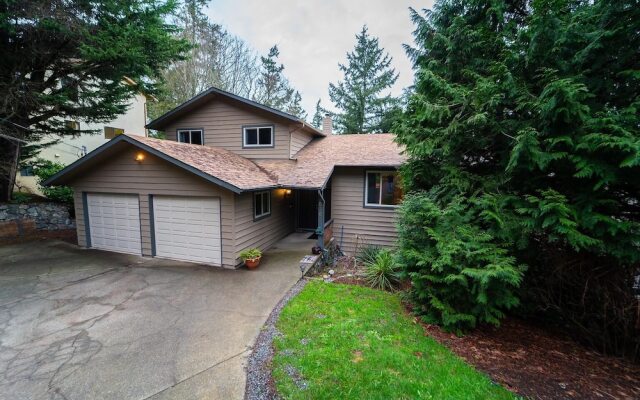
point(320, 230)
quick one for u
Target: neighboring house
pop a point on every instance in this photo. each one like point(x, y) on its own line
point(70, 149)
point(234, 174)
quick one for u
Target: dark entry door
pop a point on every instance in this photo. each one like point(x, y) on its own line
point(307, 209)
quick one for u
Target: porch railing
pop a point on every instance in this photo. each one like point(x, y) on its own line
point(328, 231)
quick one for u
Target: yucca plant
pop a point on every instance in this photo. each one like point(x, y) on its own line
point(382, 272)
point(368, 253)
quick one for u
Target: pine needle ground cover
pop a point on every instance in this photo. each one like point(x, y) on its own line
point(344, 341)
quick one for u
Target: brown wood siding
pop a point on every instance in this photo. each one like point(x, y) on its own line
point(264, 232)
point(361, 225)
point(298, 141)
point(222, 123)
point(122, 174)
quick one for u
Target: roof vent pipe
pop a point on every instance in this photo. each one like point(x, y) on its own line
point(327, 125)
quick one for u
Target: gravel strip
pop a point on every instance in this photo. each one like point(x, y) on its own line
point(260, 384)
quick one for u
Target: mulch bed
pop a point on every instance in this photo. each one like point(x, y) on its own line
point(527, 359)
point(67, 235)
point(532, 362)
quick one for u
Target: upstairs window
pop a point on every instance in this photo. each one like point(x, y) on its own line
point(382, 189)
point(261, 204)
point(257, 136)
point(111, 132)
point(27, 171)
point(193, 136)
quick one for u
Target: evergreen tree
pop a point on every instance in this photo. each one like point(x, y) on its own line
point(295, 107)
point(359, 97)
point(274, 87)
point(66, 60)
point(318, 116)
point(523, 138)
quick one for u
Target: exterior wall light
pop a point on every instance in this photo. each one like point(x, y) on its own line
point(139, 157)
point(287, 193)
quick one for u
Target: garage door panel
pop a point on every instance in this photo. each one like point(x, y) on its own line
point(188, 228)
point(114, 222)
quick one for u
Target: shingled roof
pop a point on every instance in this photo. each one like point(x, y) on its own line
point(314, 164)
point(311, 169)
point(214, 161)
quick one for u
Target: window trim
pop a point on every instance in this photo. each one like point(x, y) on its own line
point(263, 215)
point(365, 203)
point(254, 146)
point(189, 130)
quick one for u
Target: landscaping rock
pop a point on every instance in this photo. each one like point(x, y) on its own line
point(44, 216)
point(260, 384)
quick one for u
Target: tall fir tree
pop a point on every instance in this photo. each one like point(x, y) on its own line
point(275, 90)
point(66, 60)
point(295, 106)
point(318, 115)
point(360, 97)
point(523, 141)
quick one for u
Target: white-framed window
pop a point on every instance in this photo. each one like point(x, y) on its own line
point(257, 136)
point(382, 189)
point(193, 136)
point(261, 204)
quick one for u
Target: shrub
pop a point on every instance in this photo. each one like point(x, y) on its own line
point(382, 271)
point(45, 169)
point(368, 253)
point(460, 275)
point(20, 197)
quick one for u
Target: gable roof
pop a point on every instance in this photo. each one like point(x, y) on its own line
point(209, 94)
point(311, 169)
point(219, 166)
point(315, 163)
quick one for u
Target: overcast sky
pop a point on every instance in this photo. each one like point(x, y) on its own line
point(313, 36)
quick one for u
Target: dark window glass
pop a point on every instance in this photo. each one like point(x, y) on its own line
point(261, 204)
point(26, 171)
point(196, 137)
point(384, 188)
point(258, 204)
point(265, 136)
point(373, 188)
point(251, 136)
point(388, 188)
point(183, 136)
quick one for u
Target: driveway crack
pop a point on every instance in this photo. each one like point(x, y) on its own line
point(197, 373)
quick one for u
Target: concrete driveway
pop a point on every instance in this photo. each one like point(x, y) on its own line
point(86, 324)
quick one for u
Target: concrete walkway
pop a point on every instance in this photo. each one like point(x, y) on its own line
point(87, 324)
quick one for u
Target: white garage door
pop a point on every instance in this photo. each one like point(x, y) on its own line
point(187, 228)
point(114, 222)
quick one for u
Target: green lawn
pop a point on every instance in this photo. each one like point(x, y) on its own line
point(350, 342)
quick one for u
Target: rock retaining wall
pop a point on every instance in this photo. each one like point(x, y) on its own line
point(20, 219)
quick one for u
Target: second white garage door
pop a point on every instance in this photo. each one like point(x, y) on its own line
point(187, 228)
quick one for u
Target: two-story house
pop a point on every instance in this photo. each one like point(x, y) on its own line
point(71, 148)
point(233, 174)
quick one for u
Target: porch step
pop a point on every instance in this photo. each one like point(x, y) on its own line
point(308, 262)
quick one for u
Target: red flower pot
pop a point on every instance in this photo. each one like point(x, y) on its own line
point(252, 263)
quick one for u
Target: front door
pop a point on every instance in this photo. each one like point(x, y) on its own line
point(307, 209)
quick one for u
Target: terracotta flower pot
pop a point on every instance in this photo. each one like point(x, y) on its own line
point(252, 263)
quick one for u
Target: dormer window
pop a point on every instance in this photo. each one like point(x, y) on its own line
point(193, 136)
point(257, 136)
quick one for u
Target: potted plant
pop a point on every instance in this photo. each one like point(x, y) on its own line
point(251, 257)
